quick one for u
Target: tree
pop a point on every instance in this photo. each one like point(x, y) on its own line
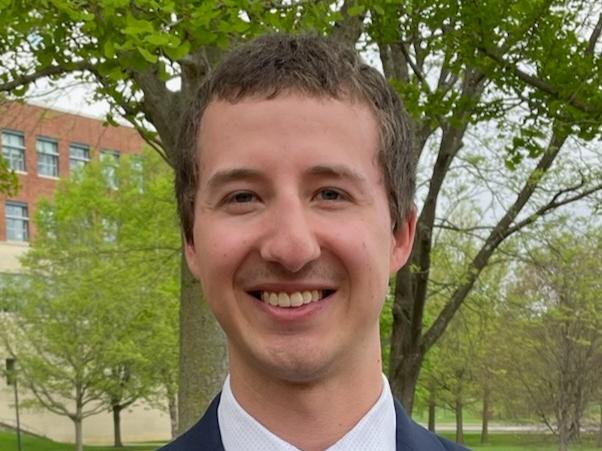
point(448, 371)
point(9, 183)
point(529, 72)
point(556, 339)
point(502, 65)
point(94, 291)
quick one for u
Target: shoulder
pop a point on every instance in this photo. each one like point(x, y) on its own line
point(203, 436)
point(411, 436)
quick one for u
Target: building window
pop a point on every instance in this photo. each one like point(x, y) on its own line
point(137, 167)
point(110, 229)
point(13, 150)
point(79, 156)
point(17, 221)
point(110, 161)
point(48, 157)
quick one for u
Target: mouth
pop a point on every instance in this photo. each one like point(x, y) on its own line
point(290, 299)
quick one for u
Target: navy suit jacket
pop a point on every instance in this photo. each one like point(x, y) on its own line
point(205, 435)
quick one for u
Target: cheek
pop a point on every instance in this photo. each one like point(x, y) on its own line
point(365, 251)
point(221, 252)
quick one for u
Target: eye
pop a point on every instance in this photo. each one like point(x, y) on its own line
point(241, 197)
point(331, 194)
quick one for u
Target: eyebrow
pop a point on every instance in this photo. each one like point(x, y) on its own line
point(232, 175)
point(339, 172)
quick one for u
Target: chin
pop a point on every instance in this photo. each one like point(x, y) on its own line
point(299, 369)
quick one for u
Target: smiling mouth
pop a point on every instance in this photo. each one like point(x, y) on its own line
point(294, 299)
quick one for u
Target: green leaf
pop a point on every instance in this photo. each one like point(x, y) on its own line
point(109, 49)
point(179, 52)
point(157, 39)
point(356, 10)
point(148, 56)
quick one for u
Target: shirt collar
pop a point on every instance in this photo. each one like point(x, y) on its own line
point(239, 430)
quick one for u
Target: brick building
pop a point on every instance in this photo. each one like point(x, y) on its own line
point(42, 145)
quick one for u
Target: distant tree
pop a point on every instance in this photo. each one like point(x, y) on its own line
point(96, 282)
point(9, 183)
point(555, 336)
point(447, 378)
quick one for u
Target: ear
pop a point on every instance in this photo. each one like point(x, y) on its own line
point(403, 240)
point(191, 259)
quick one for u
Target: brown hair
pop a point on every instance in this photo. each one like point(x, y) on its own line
point(315, 66)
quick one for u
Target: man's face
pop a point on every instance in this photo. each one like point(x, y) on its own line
point(291, 208)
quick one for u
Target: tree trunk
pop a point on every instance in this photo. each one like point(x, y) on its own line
point(563, 434)
point(79, 439)
point(172, 405)
point(600, 429)
point(486, 414)
point(432, 411)
point(202, 353)
point(406, 356)
point(117, 443)
point(459, 421)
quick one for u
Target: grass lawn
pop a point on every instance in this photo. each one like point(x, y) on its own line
point(8, 442)
point(501, 441)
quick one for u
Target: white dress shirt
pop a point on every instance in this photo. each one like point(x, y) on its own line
point(241, 432)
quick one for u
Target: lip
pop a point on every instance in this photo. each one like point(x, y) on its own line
point(290, 287)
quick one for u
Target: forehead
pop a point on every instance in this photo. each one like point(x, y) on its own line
point(254, 126)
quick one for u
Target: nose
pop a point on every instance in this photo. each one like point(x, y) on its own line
point(289, 239)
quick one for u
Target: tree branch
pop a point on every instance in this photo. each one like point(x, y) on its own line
point(160, 106)
point(495, 238)
point(593, 39)
point(552, 205)
point(48, 71)
point(538, 83)
point(349, 29)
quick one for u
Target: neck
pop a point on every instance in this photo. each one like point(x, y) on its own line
point(310, 415)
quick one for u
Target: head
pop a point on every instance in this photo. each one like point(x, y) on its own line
point(310, 65)
point(295, 185)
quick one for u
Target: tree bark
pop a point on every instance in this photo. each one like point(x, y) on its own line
point(79, 439)
point(172, 405)
point(600, 429)
point(117, 443)
point(459, 421)
point(405, 358)
point(485, 415)
point(563, 430)
point(432, 412)
point(202, 353)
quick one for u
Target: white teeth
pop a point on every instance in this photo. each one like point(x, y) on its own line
point(284, 300)
point(295, 299)
point(307, 297)
point(273, 299)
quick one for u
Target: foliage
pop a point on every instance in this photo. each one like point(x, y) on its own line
point(462, 367)
point(555, 352)
point(493, 116)
point(100, 288)
point(9, 183)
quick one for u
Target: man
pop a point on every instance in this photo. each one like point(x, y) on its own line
point(295, 190)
